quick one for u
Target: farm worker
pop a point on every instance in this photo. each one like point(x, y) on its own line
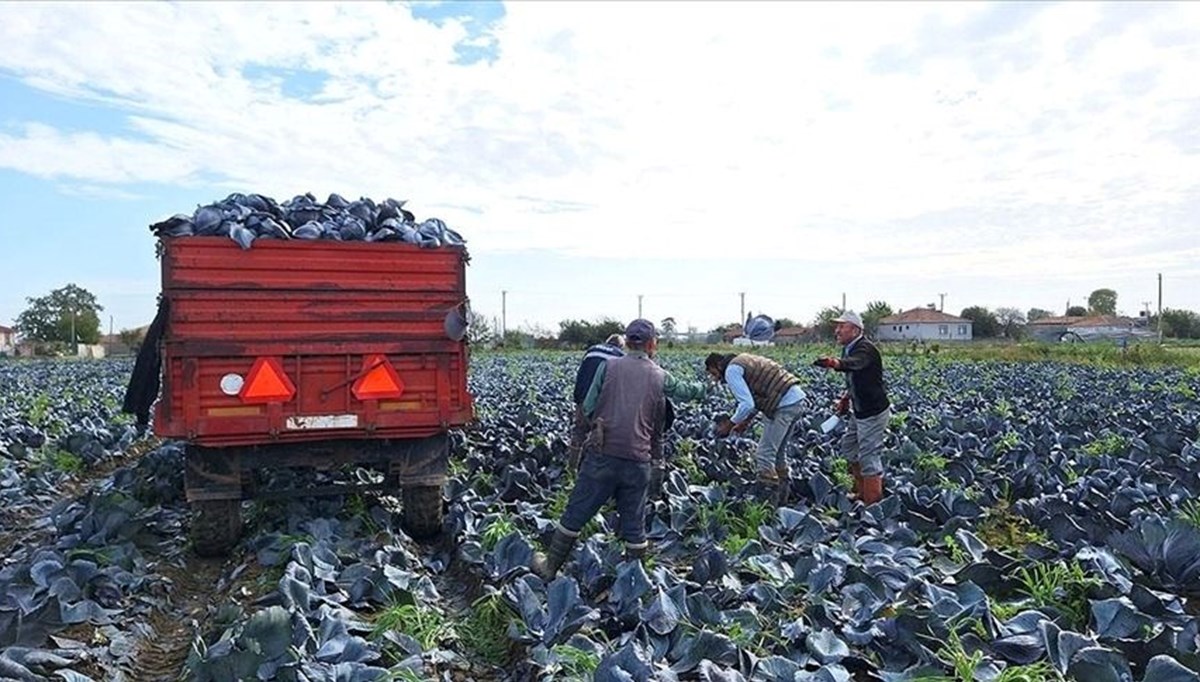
point(625, 405)
point(760, 385)
point(613, 347)
point(866, 402)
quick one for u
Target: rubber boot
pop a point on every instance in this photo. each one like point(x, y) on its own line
point(546, 565)
point(872, 489)
point(636, 552)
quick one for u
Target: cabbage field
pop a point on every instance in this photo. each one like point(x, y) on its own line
point(1041, 523)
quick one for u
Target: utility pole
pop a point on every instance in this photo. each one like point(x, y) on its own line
point(74, 339)
point(942, 305)
point(503, 315)
point(110, 325)
point(843, 301)
point(1160, 308)
point(742, 318)
point(639, 305)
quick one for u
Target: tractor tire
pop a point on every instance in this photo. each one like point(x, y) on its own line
point(216, 526)
point(421, 507)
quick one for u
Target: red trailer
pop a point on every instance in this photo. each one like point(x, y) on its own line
point(311, 353)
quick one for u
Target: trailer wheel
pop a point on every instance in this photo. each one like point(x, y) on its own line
point(422, 511)
point(216, 526)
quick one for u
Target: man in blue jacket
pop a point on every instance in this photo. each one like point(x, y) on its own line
point(613, 347)
point(866, 402)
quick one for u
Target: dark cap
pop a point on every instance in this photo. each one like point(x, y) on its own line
point(640, 331)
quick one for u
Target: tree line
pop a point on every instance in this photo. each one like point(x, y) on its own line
point(71, 314)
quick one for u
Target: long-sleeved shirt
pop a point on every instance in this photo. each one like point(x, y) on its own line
point(863, 367)
point(593, 358)
point(674, 388)
point(735, 378)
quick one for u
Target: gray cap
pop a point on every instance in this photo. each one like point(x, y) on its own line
point(640, 331)
point(851, 317)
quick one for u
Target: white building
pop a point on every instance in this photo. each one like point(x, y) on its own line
point(8, 340)
point(924, 324)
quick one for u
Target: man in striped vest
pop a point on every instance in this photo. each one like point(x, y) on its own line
point(760, 385)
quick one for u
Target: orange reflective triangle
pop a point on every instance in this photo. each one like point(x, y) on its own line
point(380, 382)
point(267, 383)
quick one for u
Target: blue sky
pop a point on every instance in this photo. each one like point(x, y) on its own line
point(1007, 154)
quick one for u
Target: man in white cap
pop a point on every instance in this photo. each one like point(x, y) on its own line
point(866, 402)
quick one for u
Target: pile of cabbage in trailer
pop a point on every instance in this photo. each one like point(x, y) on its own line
point(247, 217)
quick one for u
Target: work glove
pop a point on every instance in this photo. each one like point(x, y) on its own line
point(842, 406)
point(827, 363)
point(724, 426)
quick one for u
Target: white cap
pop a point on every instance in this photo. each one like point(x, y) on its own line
point(851, 317)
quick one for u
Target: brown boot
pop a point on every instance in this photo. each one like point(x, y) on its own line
point(872, 489)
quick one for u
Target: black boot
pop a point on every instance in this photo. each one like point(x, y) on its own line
point(546, 565)
point(636, 552)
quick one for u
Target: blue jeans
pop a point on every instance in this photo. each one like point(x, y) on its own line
point(602, 478)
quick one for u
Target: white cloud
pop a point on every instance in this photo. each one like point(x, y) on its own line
point(700, 129)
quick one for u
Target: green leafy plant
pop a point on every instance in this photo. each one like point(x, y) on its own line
point(484, 631)
point(955, 655)
point(1189, 512)
point(1002, 528)
point(1007, 443)
point(1061, 586)
point(840, 471)
point(63, 461)
point(957, 554)
point(1108, 445)
point(685, 459)
point(930, 463)
point(426, 625)
point(576, 665)
point(497, 529)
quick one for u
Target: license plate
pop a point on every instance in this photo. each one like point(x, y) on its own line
point(323, 421)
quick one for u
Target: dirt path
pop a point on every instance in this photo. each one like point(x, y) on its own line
point(162, 652)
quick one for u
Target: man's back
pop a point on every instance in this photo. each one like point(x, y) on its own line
point(632, 405)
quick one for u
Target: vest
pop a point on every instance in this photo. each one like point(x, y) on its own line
point(768, 381)
point(632, 405)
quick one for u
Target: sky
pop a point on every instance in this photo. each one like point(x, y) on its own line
point(698, 155)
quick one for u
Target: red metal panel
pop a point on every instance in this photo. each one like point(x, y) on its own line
point(321, 307)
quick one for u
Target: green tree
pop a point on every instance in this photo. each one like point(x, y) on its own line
point(785, 322)
point(132, 338)
point(1179, 324)
point(1012, 322)
point(1036, 314)
point(55, 316)
point(479, 331)
point(583, 333)
point(876, 311)
point(667, 327)
point(985, 325)
point(1077, 311)
point(1103, 302)
point(823, 324)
